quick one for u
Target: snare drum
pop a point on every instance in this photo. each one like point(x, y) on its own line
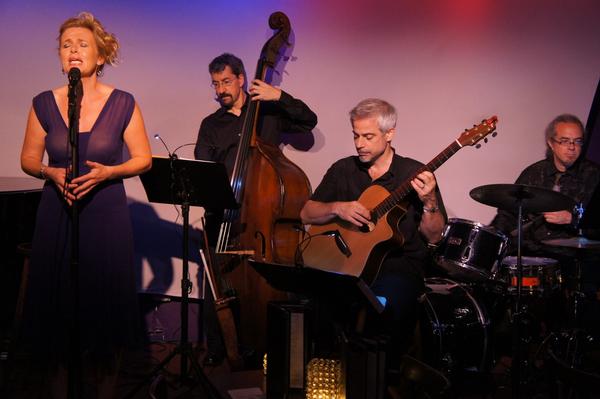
point(469, 250)
point(540, 275)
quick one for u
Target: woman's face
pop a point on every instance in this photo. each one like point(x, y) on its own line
point(78, 49)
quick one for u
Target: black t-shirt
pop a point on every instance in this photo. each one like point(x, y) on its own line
point(348, 178)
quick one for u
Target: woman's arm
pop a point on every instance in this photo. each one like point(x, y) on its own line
point(32, 155)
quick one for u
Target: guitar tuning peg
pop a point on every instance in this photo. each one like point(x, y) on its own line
point(466, 130)
point(485, 140)
point(478, 146)
point(494, 134)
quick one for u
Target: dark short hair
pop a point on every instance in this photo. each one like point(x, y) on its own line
point(224, 60)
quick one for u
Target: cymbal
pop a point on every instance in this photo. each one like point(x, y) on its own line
point(533, 199)
point(574, 242)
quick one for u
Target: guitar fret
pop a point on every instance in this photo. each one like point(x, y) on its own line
point(401, 192)
point(397, 195)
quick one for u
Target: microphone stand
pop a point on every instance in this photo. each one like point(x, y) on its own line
point(74, 359)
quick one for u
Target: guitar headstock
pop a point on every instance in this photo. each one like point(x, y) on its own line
point(478, 132)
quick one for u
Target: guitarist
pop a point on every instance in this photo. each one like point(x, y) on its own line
point(400, 279)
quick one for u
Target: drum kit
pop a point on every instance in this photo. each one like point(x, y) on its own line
point(459, 328)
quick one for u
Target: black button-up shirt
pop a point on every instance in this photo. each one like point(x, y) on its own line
point(578, 182)
point(219, 132)
point(219, 136)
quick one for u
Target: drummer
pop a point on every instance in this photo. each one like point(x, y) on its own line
point(564, 170)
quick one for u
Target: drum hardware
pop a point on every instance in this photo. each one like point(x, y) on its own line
point(579, 245)
point(571, 357)
point(520, 198)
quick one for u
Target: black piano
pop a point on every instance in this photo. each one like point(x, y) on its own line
point(19, 199)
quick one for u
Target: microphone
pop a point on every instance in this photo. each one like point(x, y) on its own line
point(74, 76)
point(171, 155)
point(342, 244)
point(183, 145)
point(74, 96)
point(339, 242)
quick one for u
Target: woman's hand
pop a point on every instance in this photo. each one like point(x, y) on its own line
point(97, 174)
point(59, 176)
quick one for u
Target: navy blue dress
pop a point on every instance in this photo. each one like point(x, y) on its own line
point(108, 305)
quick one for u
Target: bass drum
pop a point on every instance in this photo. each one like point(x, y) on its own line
point(455, 329)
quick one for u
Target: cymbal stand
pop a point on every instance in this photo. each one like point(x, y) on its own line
point(577, 294)
point(518, 312)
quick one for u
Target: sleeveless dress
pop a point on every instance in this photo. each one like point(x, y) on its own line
point(108, 317)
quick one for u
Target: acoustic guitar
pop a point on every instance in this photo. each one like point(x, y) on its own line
point(341, 247)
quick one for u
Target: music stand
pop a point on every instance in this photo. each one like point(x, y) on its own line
point(333, 290)
point(187, 183)
point(324, 284)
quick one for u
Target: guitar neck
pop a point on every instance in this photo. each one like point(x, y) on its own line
point(405, 188)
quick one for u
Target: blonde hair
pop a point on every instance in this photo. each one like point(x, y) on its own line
point(108, 45)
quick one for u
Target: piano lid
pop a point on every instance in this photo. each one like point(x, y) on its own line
point(16, 185)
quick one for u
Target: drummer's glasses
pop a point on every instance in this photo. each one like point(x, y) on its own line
point(568, 142)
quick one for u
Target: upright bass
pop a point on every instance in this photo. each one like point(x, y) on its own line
point(271, 190)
